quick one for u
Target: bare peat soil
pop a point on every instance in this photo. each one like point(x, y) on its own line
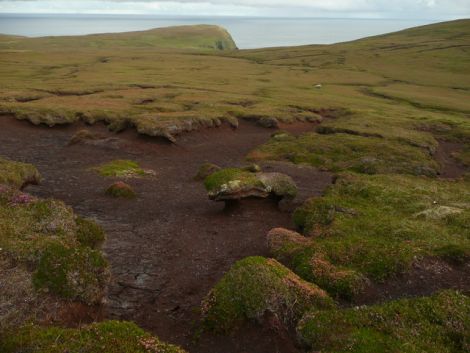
point(170, 245)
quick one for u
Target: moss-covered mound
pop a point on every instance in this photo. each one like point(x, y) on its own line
point(436, 324)
point(46, 238)
point(205, 170)
point(257, 286)
point(379, 225)
point(75, 273)
point(120, 168)
point(236, 184)
point(107, 336)
point(18, 174)
point(120, 189)
point(298, 253)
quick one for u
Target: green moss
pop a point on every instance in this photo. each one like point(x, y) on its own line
point(120, 168)
point(377, 225)
point(121, 189)
point(436, 324)
point(89, 233)
point(78, 273)
point(256, 286)
point(339, 152)
point(106, 336)
point(18, 174)
point(224, 176)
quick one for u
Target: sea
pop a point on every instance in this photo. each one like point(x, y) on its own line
point(248, 32)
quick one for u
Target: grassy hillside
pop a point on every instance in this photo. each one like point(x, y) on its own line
point(387, 80)
point(393, 113)
point(201, 37)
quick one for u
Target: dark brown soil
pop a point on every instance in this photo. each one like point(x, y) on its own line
point(424, 278)
point(170, 245)
point(450, 167)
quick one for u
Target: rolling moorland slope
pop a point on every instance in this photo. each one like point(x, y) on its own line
point(373, 242)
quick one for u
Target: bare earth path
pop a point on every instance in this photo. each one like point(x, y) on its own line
point(169, 246)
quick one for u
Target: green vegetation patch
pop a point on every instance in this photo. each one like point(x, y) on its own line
point(256, 286)
point(89, 233)
point(222, 177)
point(299, 253)
point(18, 174)
point(120, 168)
point(377, 225)
point(106, 336)
point(78, 273)
point(436, 324)
point(51, 242)
point(340, 151)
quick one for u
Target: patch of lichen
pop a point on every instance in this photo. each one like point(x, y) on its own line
point(106, 336)
point(378, 225)
point(216, 180)
point(256, 286)
point(436, 324)
point(18, 174)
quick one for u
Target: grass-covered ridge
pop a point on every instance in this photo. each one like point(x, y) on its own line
point(375, 227)
point(436, 324)
point(106, 336)
point(163, 92)
point(198, 37)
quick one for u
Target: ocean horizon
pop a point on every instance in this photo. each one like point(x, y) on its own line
point(248, 32)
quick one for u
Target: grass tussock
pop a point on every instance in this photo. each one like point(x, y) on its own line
point(257, 286)
point(18, 174)
point(57, 248)
point(378, 225)
point(106, 336)
point(436, 324)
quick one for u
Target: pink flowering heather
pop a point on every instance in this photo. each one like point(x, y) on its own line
point(21, 198)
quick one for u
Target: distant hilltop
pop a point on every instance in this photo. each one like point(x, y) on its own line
point(200, 37)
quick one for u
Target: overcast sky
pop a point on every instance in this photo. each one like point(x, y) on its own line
point(415, 9)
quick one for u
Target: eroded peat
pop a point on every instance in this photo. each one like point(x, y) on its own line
point(170, 245)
